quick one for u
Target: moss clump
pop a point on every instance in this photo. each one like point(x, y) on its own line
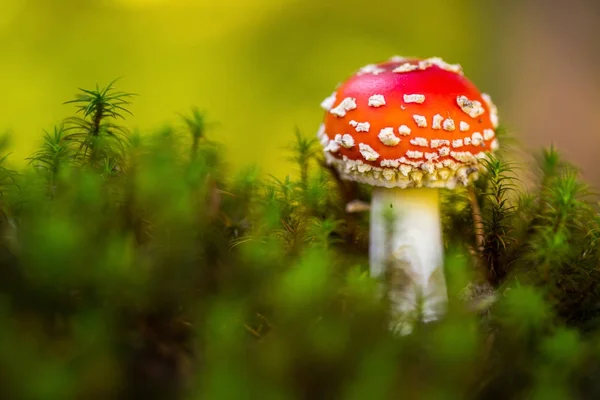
point(143, 267)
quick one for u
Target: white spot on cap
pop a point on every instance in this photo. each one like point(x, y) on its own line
point(437, 61)
point(324, 140)
point(333, 146)
point(414, 154)
point(406, 169)
point(370, 69)
point(476, 139)
point(405, 160)
point(360, 126)
point(431, 156)
point(367, 152)
point(467, 140)
point(462, 156)
point(449, 125)
point(472, 108)
point(390, 163)
point(322, 136)
point(487, 98)
point(457, 143)
point(420, 120)
point(488, 134)
point(495, 145)
point(347, 141)
point(328, 103)
point(464, 126)
point(444, 151)
point(444, 174)
point(493, 109)
point(416, 176)
point(494, 119)
point(363, 127)
point(437, 121)
point(404, 130)
point(406, 67)
point(348, 104)
point(387, 137)
point(414, 98)
point(377, 100)
point(419, 141)
point(321, 131)
point(435, 143)
point(424, 64)
point(457, 68)
point(428, 167)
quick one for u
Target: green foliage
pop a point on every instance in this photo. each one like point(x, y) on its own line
point(95, 134)
point(53, 154)
point(197, 127)
point(140, 266)
point(497, 186)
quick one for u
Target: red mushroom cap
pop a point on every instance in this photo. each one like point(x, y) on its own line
point(408, 123)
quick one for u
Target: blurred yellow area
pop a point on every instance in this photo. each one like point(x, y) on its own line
point(259, 68)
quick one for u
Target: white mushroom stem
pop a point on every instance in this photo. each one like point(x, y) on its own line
point(406, 252)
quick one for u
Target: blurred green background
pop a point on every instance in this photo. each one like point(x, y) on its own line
point(261, 67)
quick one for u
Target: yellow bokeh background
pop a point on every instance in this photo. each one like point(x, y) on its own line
point(259, 68)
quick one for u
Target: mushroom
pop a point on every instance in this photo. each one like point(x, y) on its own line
point(408, 127)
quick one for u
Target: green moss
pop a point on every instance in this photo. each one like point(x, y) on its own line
point(141, 266)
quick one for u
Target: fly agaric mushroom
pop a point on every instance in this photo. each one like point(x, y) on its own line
point(409, 127)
